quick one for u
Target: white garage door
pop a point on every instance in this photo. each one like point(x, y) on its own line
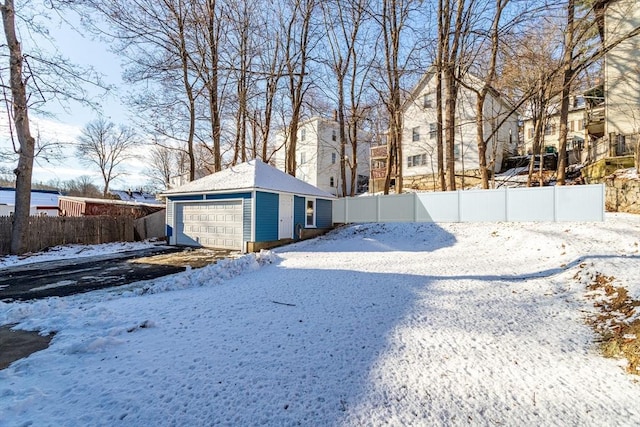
point(210, 224)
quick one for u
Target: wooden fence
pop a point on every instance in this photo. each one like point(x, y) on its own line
point(45, 231)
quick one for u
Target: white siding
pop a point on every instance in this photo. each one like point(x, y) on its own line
point(319, 148)
point(622, 69)
point(417, 115)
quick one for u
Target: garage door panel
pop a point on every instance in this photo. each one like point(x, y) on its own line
point(212, 224)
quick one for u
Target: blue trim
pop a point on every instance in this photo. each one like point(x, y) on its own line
point(267, 216)
point(227, 196)
point(189, 197)
point(169, 230)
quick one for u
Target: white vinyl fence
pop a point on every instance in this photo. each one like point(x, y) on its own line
point(557, 203)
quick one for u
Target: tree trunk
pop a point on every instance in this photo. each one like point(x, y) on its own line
point(20, 229)
point(566, 89)
point(439, 139)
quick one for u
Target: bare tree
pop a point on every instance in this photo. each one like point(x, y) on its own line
point(156, 39)
point(106, 146)
point(24, 170)
point(343, 23)
point(34, 79)
point(209, 30)
point(393, 21)
point(162, 165)
point(297, 49)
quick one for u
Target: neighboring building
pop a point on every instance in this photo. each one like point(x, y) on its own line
point(43, 202)
point(135, 196)
point(622, 69)
point(613, 108)
point(86, 206)
point(318, 156)
point(550, 137)
point(420, 131)
point(245, 207)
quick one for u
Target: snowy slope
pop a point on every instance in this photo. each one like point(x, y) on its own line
point(404, 324)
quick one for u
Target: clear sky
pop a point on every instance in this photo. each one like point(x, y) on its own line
point(66, 125)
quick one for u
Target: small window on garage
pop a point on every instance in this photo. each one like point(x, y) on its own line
point(332, 182)
point(311, 213)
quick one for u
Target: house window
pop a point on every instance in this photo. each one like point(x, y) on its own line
point(530, 132)
point(303, 158)
point(571, 125)
point(550, 129)
point(303, 134)
point(426, 101)
point(433, 130)
point(580, 124)
point(332, 182)
point(456, 152)
point(333, 158)
point(416, 133)
point(333, 135)
point(417, 160)
point(311, 213)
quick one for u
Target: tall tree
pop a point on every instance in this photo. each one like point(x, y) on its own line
point(156, 38)
point(393, 21)
point(24, 170)
point(297, 51)
point(343, 22)
point(485, 87)
point(34, 79)
point(106, 146)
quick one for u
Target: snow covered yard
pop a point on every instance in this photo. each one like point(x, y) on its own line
point(403, 324)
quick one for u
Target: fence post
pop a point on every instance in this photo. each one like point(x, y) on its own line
point(346, 210)
point(506, 204)
point(555, 203)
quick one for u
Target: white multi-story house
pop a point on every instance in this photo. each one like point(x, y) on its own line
point(318, 156)
point(550, 137)
point(613, 107)
point(420, 130)
point(622, 73)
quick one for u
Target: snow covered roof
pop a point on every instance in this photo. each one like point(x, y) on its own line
point(252, 175)
point(38, 197)
point(111, 201)
point(135, 196)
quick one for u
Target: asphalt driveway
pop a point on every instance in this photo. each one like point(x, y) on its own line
point(66, 277)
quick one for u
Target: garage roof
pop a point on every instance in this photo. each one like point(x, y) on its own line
point(252, 175)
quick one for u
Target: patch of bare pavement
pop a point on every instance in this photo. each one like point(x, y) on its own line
point(14, 345)
point(67, 277)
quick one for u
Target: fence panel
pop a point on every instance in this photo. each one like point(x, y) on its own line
point(580, 203)
point(362, 209)
point(531, 204)
point(559, 203)
point(483, 205)
point(437, 207)
point(45, 231)
point(397, 207)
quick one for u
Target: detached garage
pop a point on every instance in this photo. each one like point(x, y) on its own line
point(246, 207)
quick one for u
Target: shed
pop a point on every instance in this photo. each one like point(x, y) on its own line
point(245, 207)
point(86, 206)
